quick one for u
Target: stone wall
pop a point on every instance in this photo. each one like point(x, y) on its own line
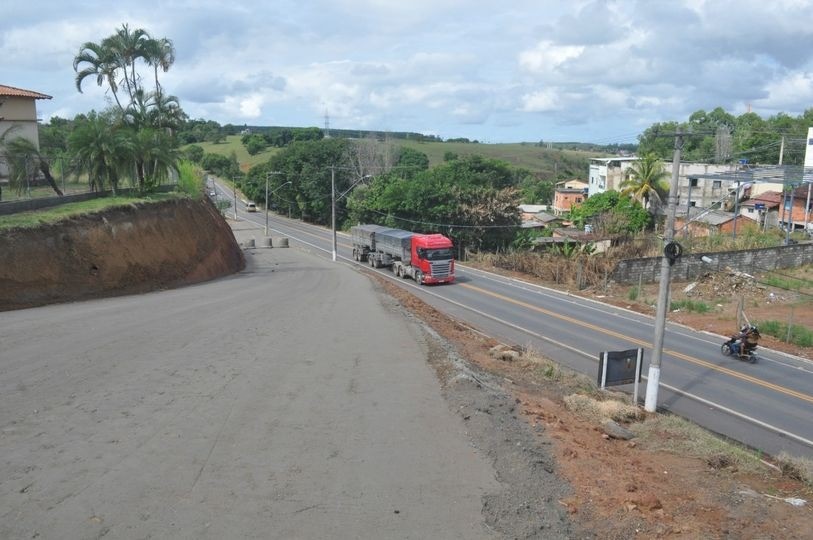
point(690, 266)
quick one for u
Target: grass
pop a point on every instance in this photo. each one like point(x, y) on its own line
point(36, 218)
point(799, 335)
point(537, 159)
point(233, 144)
point(787, 283)
point(633, 294)
point(528, 156)
point(797, 468)
point(667, 432)
point(689, 305)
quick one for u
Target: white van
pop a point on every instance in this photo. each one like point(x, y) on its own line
point(251, 207)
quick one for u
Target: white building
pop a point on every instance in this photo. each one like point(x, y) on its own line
point(693, 190)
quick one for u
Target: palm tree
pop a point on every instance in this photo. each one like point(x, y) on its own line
point(160, 54)
point(100, 63)
point(155, 156)
point(646, 182)
point(127, 47)
point(25, 162)
point(103, 149)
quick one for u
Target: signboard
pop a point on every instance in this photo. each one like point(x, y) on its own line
point(808, 151)
point(759, 206)
point(620, 367)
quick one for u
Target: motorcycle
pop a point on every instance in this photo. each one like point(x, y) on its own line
point(743, 345)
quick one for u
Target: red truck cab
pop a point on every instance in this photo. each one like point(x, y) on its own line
point(433, 255)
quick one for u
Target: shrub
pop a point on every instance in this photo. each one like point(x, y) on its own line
point(190, 179)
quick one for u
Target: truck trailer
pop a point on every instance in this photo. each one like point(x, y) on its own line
point(426, 258)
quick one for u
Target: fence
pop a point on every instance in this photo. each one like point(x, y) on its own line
point(34, 191)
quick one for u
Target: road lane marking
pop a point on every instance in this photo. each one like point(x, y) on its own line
point(676, 354)
point(697, 361)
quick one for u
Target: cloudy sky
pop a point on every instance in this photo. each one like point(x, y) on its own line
point(517, 70)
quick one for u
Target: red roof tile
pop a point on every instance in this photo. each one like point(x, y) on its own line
point(19, 92)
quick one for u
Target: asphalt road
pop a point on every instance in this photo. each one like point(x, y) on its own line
point(767, 405)
point(285, 402)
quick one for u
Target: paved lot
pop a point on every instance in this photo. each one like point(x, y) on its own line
point(284, 402)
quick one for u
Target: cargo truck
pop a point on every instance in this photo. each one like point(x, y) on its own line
point(426, 258)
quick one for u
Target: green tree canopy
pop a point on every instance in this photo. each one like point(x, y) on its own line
point(611, 212)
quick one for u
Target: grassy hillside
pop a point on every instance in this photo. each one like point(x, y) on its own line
point(562, 164)
point(547, 163)
point(233, 144)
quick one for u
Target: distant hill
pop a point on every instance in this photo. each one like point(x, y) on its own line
point(546, 163)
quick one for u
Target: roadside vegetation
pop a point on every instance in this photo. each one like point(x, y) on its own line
point(662, 432)
point(36, 218)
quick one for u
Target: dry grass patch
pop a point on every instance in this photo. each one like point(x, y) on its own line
point(598, 411)
point(797, 468)
point(673, 434)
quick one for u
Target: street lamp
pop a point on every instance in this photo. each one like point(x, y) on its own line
point(333, 202)
point(267, 176)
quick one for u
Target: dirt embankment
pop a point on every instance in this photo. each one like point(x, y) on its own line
point(123, 250)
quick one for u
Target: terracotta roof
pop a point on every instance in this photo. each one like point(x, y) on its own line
point(19, 92)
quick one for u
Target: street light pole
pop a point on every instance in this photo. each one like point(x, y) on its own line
point(333, 208)
point(267, 176)
point(654, 374)
point(234, 193)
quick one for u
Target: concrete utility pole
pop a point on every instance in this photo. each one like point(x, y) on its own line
point(267, 176)
point(333, 208)
point(654, 374)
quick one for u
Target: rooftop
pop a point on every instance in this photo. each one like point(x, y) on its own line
point(12, 91)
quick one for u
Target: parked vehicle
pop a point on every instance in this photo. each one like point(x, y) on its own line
point(426, 258)
point(743, 345)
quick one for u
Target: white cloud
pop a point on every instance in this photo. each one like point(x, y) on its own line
point(541, 101)
point(548, 56)
point(459, 67)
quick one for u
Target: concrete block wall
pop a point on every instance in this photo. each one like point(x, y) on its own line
point(690, 266)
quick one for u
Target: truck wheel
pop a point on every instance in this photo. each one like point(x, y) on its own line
point(419, 277)
point(372, 262)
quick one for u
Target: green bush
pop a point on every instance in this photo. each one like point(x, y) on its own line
point(799, 335)
point(690, 305)
point(190, 178)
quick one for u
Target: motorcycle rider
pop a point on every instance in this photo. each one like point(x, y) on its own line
point(745, 342)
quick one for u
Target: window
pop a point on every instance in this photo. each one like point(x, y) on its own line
point(692, 203)
point(750, 210)
point(693, 182)
point(578, 199)
point(717, 184)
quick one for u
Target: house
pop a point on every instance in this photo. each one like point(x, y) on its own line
point(18, 117)
point(528, 211)
point(705, 222)
point(696, 186)
point(797, 208)
point(763, 209)
point(568, 194)
point(606, 174)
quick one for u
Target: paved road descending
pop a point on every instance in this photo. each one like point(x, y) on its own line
point(285, 402)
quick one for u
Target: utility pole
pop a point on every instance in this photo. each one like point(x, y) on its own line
point(234, 194)
point(267, 176)
point(781, 149)
point(671, 252)
point(333, 207)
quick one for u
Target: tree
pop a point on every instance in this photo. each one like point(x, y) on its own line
point(25, 162)
point(611, 213)
point(103, 149)
point(99, 62)
point(194, 153)
point(160, 54)
point(646, 182)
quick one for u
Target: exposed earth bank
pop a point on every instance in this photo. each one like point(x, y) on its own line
point(123, 250)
